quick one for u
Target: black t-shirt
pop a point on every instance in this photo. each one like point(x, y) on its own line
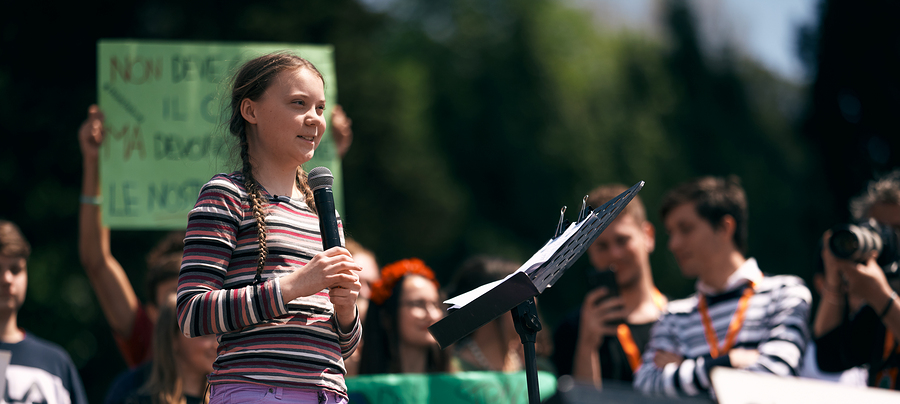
point(613, 359)
point(127, 384)
point(860, 341)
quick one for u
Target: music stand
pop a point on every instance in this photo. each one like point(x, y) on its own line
point(515, 293)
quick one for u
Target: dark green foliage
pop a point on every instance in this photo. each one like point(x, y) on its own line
point(852, 112)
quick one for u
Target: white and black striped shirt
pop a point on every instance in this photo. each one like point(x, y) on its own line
point(775, 324)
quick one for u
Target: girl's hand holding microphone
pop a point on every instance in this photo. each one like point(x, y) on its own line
point(333, 269)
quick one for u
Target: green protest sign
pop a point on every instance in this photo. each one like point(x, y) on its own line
point(166, 124)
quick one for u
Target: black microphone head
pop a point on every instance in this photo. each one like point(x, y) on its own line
point(320, 177)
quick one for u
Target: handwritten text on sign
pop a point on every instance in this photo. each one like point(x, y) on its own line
point(165, 105)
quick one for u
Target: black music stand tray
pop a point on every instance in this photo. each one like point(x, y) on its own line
point(469, 311)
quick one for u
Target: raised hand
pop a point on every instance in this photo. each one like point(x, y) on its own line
point(90, 135)
point(600, 316)
point(868, 282)
point(865, 281)
point(341, 130)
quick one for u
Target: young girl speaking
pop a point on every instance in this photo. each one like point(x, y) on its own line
point(254, 272)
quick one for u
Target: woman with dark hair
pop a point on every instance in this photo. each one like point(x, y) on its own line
point(404, 303)
point(495, 346)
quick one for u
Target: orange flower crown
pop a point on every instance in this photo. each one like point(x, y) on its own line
point(390, 274)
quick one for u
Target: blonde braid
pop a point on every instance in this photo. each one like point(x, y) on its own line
point(303, 186)
point(256, 205)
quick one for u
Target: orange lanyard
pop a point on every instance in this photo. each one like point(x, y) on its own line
point(886, 377)
point(733, 328)
point(889, 345)
point(627, 340)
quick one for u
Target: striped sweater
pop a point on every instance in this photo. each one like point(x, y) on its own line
point(261, 339)
point(775, 325)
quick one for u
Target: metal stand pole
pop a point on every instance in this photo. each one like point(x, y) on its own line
point(527, 325)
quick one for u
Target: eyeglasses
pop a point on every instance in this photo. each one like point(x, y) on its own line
point(423, 304)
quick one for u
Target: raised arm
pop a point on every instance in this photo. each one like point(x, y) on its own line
point(868, 283)
point(341, 130)
point(114, 291)
point(834, 299)
point(597, 315)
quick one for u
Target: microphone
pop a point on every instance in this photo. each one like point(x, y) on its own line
point(320, 180)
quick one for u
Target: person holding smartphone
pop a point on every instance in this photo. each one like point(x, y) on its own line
point(605, 338)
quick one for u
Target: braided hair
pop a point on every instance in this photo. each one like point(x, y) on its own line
point(251, 82)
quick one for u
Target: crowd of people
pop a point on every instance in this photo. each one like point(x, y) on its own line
point(245, 304)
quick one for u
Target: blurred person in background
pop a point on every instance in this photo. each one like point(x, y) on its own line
point(37, 371)
point(605, 338)
point(738, 318)
point(405, 302)
point(869, 336)
point(163, 266)
point(180, 364)
point(130, 321)
point(494, 346)
point(856, 376)
point(369, 275)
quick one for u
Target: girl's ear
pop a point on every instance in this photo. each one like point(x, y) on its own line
point(248, 110)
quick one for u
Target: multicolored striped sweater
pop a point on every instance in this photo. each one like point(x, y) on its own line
point(261, 339)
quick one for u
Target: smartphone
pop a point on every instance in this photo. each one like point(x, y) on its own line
point(603, 277)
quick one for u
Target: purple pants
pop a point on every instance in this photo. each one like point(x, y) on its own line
point(246, 393)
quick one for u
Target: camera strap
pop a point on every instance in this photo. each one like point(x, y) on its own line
point(890, 346)
point(886, 377)
point(627, 340)
point(737, 321)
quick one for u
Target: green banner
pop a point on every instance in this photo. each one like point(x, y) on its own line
point(166, 124)
point(462, 387)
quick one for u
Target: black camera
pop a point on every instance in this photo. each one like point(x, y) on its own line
point(856, 242)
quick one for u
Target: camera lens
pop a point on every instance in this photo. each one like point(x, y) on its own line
point(858, 242)
point(852, 242)
point(844, 244)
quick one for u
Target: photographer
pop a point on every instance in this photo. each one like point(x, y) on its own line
point(868, 336)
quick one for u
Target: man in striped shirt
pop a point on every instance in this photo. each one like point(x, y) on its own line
point(738, 318)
